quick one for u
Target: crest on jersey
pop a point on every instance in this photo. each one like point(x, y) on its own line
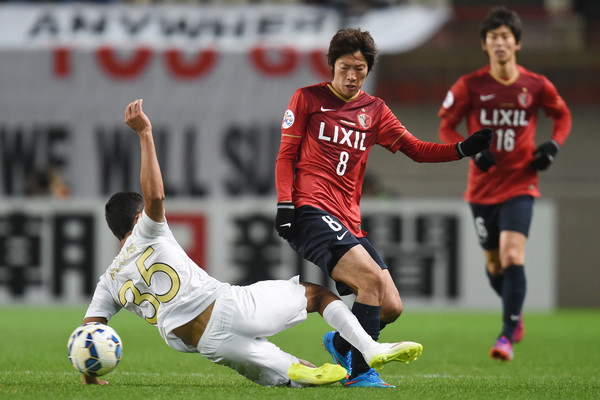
point(525, 98)
point(364, 120)
point(288, 119)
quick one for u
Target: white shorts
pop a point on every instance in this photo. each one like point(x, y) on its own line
point(242, 318)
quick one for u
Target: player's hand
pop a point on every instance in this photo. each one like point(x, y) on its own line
point(135, 117)
point(484, 160)
point(478, 141)
point(92, 380)
point(284, 221)
point(544, 155)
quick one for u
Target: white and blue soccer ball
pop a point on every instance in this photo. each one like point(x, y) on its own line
point(94, 349)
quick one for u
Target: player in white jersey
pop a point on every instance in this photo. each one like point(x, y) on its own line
point(154, 278)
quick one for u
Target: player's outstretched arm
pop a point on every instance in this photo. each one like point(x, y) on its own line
point(150, 175)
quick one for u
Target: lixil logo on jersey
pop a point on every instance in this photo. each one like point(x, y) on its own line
point(288, 119)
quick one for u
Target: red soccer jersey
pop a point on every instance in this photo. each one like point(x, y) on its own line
point(325, 142)
point(510, 109)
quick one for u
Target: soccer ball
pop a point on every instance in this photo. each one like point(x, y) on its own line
point(94, 349)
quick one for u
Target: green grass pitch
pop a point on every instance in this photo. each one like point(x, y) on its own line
point(558, 359)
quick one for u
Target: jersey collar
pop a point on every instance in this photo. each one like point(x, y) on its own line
point(506, 82)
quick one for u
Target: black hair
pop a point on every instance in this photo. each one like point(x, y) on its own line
point(499, 16)
point(120, 212)
point(349, 41)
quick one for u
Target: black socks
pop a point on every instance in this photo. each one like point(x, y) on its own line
point(369, 318)
point(513, 296)
point(495, 282)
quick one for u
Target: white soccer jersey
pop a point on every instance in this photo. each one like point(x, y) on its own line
point(153, 277)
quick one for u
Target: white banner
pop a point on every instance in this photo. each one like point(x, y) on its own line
point(216, 109)
point(227, 28)
point(216, 121)
point(53, 252)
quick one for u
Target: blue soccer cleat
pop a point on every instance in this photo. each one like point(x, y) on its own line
point(367, 379)
point(341, 359)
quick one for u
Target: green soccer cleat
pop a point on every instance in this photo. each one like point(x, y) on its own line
point(385, 352)
point(323, 375)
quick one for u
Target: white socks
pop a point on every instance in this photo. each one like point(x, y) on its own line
point(339, 317)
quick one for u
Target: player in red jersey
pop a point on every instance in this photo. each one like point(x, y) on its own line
point(503, 181)
point(327, 132)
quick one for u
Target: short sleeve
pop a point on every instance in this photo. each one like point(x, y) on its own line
point(456, 102)
point(102, 304)
point(148, 228)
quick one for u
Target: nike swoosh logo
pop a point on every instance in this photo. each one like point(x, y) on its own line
point(340, 237)
point(327, 109)
point(354, 381)
point(288, 224)
point(515, 317)
point(486, 97)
